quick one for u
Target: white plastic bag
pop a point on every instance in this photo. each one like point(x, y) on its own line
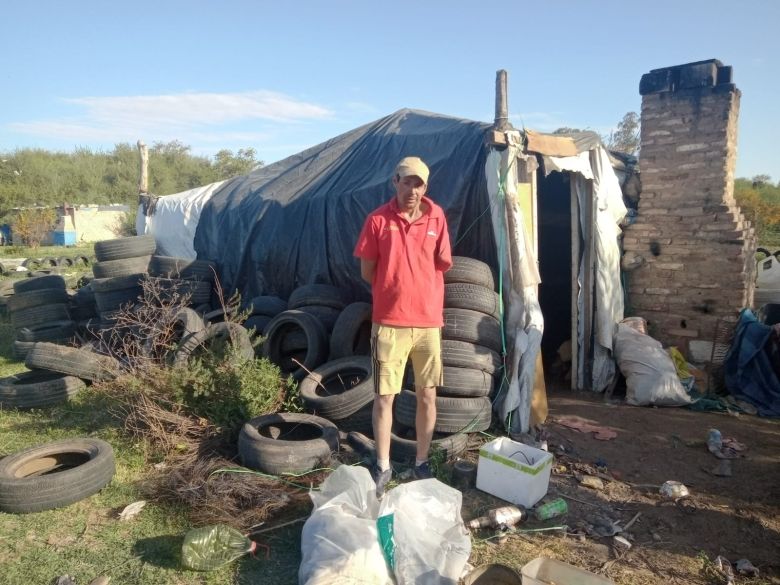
point(651, 378)
point(339, 544)
point(432, 545)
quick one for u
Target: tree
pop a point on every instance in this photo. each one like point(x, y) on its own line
point(227, 165)
point(33, 224)
point(625, 137)
point(761, 180)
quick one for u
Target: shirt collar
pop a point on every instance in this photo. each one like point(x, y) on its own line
point(397, 210)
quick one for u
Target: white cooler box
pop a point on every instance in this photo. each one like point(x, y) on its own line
point(513, 471)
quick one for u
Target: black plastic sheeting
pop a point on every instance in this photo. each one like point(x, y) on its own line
point(296, 221)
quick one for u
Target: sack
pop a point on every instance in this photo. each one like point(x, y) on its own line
point(424, 535)
point(651, 378)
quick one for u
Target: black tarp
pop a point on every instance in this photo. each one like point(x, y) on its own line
point(296, 221)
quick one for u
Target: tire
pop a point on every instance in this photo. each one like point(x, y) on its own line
point(472, 327)
point(460, 354)
point(65, 262)
point(404, 450)
point(32, 263)
point(317, 294)
point(351, 333)
point(338, 388)
point(53, 331)
point(123, 267)
point(183, 268)
point(49, 262)
point(38, 283)
point(35, 389)
point(360, 421)
point(266, 305)
point(258, 323)
point(212, 334)
point(81, 363)
point(3, 270)
point(54, 475)
point(37, 298)
point(461, 295)
point(326, 315)
point(39, 315)
point(116, 299)
point(294, 342)
point(123, 248)
point(453, 415)
point(103, 285)
point(465, 383)
point(287, 443)
point(470, 271)
point(173, 289)
point(316, 338)
point(81, 260)
point(21, 348)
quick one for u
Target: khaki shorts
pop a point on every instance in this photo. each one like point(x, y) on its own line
point(391, 347)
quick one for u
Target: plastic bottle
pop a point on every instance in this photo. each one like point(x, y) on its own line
point(714, 441)
point(506, 516)
point(557, 507)
point(210, 547)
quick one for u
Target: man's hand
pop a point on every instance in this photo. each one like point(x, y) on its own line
point(367, 270)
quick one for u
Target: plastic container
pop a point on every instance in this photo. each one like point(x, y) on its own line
point(513, 471)
point(544, 571)
point(553, 509)
point(210, 547)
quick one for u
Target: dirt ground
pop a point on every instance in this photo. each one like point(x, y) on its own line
point(737, 517)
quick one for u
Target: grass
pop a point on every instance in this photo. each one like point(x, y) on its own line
point(87, 539)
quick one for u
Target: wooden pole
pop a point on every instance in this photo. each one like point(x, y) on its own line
point(501, 121)
point(143, 180)
point(575, 287)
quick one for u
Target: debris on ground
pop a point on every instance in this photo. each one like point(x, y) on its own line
point(132, 510)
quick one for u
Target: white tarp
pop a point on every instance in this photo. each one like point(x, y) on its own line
point(175, 219)
point(523, 319)
point(608, 302)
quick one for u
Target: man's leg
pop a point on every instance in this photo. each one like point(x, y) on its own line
point(383, 422)
point(425, 419)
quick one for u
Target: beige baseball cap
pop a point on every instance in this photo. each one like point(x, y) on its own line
point(412, 165)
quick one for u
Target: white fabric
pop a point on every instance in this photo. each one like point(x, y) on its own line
point(608, 303)
point(174, 220)
point(576, 164)
point(523, 319)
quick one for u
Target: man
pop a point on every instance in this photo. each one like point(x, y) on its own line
point(404, 251)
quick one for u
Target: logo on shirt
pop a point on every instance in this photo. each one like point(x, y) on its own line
point(391, 228)
point(432, 233)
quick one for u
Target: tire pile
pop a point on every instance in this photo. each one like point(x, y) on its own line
point(339, 393)
point(471, 355)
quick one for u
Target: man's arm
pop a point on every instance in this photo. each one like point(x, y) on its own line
point(367, 270)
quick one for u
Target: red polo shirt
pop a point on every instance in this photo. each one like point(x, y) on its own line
point(411, 259)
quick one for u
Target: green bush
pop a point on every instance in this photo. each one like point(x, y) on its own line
point(228, 389)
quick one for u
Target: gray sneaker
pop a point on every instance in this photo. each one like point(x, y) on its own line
point(381, 479)
point(422, 471)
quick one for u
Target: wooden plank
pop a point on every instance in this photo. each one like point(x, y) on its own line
point(495, 138)
point(550, 144)
point(588, 282)
point(575, 267)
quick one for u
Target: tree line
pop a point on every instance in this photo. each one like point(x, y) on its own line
point(32, 177)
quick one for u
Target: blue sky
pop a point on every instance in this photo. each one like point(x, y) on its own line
point(283, 76)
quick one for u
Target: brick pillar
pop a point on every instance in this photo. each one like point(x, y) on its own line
point(697, 246)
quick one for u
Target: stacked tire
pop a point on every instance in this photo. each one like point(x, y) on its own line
point(122, 266)
point(298, 339)
point(471, 354)
point(178, 278)
point(39, 311)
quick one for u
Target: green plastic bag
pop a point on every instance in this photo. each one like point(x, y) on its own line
point(210, 547)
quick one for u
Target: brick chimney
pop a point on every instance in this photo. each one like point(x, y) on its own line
point(697, 246)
